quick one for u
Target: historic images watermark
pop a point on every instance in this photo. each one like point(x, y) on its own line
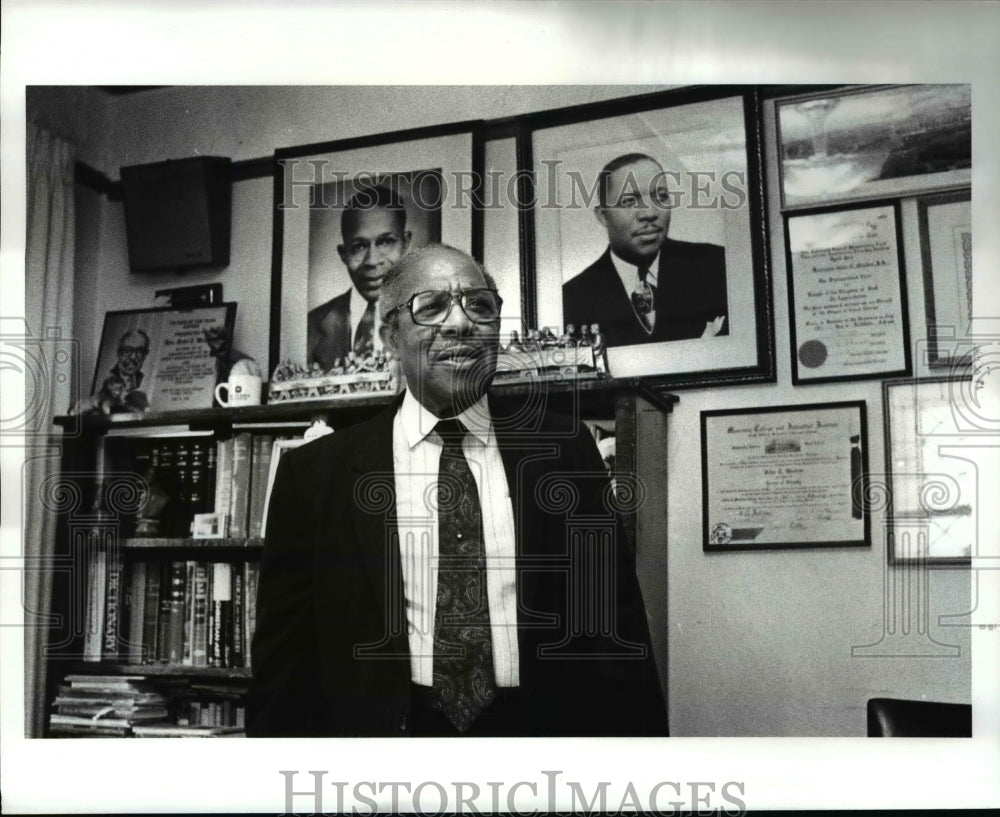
point(496, 189)
point(549, 793)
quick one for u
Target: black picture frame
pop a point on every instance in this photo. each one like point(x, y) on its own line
point(838, 297)
point(871, 142)
point(806, 477)
point(947, 267)
point(580, 139)
point(181, 368)
point(931, 489)
point(451, 154)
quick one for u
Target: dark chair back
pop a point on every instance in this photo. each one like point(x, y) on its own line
point(894, 718)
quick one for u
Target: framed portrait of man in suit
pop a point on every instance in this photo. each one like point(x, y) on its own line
point(344, 213)
point(647, 223)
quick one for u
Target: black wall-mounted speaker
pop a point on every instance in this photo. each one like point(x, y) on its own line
point(178, 214)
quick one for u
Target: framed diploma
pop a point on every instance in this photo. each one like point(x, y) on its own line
point(785, 477)
point(931, 492)
point(946, 252)
point(846, 294)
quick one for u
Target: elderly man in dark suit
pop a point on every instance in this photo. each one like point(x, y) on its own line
point(373, 227)
point(419, 576)
point(646, 287)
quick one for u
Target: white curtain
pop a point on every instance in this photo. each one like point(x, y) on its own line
point(48, 382)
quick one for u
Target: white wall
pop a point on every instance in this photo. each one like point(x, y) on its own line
point(759, 643)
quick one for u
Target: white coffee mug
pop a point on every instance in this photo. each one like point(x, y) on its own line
point(243, 390)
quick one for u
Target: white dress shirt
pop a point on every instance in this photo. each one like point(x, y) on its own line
point(629, 274)
point(416, 454)
point(356, 312)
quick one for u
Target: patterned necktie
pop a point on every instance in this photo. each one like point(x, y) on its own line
point(464, 682)
point(642, 299)
point(364, 337)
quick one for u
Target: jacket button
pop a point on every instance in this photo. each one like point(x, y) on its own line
point(402, 723)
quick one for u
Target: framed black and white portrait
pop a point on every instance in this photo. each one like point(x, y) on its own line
point(646, 220)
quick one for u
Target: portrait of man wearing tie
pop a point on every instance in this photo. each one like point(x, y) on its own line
point(374, 238)
point(419, 580)
point(646, 287)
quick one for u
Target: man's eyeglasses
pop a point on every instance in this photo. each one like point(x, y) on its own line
point(384, 244)
point(432, 308)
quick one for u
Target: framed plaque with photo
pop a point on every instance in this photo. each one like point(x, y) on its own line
point(785, 477)
point(162, 359)
point(647, 219)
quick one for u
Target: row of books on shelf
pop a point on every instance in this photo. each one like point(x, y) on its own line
point(137, 706)
point(189, 613)
point(185, 476)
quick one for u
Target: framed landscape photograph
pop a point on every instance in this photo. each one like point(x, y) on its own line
point(647, 220)
point(933, 506)
point(785, 477)
point(162, 359)
point(946, 251)
point(344, 212)
point(846, 293)
point(863, 143)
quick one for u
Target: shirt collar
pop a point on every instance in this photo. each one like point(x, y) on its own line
point(418, 421)
point(629, 273)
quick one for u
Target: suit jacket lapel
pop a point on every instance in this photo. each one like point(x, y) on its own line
point(374, 522)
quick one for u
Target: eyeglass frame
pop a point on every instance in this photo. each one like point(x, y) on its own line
point(454, 298)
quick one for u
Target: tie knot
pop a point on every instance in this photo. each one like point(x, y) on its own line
point(451, 431)
point(643, 272)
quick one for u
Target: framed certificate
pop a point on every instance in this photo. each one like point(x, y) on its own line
point(946, 252)
point(931, 470)
point(785, 477)
point(846, 294)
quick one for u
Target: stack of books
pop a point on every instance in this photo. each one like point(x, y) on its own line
point(105, 706)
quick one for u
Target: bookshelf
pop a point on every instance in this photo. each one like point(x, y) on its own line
point(180, 610)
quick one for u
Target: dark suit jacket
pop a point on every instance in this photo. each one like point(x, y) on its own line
point(691, 290)
point(329, 331)
point(331, 653)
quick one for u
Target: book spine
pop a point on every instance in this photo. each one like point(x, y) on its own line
point(240, 504)
point(221, 599)
point(151, 611)
point(96, 575)
point(224, 476)
point(239, 630)
point(199, 645)
point(175, 613)
point(253, 577)
point(262, 445)
point(186, 657)
point(135, 612)
point(112, 607)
